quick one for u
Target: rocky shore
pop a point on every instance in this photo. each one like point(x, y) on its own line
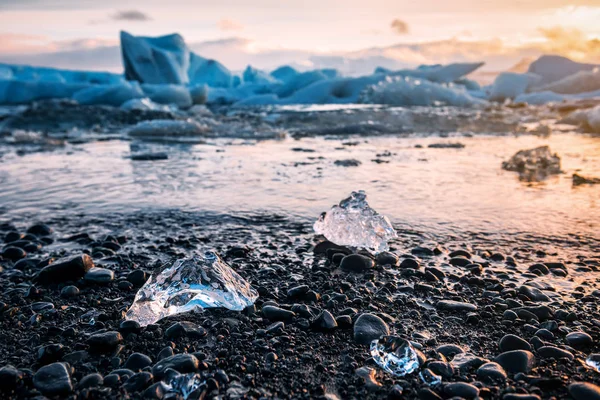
point(478, 313)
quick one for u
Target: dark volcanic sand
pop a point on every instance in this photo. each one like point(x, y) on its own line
point(247, 357)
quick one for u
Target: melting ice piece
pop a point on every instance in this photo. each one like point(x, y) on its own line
point(430, 378)
point(394, 355)
point(535, 164)
point(191, 284)
point(353, 223)
point(182, 384)
point(594, 361)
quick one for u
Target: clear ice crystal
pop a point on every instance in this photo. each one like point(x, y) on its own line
point(191, 284)
point(594, 361)
point(353, 223)
point(183, 384)
point(395, 355)
point(430, 378)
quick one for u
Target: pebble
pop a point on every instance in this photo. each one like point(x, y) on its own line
point(356, 263)
point(533, 293)
point(70, 270)
point(182, 363)
point(387, 258)
point(459, 261)
point(50, 353)
point(185, 328)
point(90, 381)
point(137, 277)
point(298, 291)
point(13, 253)
point(520, 396)
point(516, 361)
point(461, 389)
point(40, 230)
point(369, 327)
point(9, 378)
point(324, 321)
point(129, 326)
point(513, 342)
point(410, 263)
point(451, 305)
point(449, 350)
point(104, 342)
point(491, 371)
point(554, 352)
point(69, 291)
point(584, 391)
point(53, 379)
point(579, 339)
point(99, 275)
point(275, 313)
point(138, 361)
point(138, 382)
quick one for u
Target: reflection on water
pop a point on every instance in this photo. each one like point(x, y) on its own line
point(434, 189)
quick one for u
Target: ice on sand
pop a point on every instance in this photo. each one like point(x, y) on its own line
point(353, 223)
point(395, 355)
point(189, 284)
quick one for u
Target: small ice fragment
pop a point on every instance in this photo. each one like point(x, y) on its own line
point(394, 355)
point(594, 361)
point(534, 164)
point(182, 384)
point(353, 223)
point(430, 378)
point(467, 360)
point(191, 284)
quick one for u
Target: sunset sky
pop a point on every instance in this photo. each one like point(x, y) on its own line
point(41, 26)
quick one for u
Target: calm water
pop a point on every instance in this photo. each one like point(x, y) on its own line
point(449, 190)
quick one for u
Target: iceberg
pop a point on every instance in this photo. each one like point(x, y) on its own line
point(253, 75)
point(169, 94)
point(299, 81)
point(407, 91)
point(163, 59)
point(284, 73)
point(23, 92)
point(353, 223)
point(539, 98)
point(199, 94)
point(395, 355)
point(333, 91)
point(509, 85)
point(209, 72)
point(190, 284)
point(111, 95)
point(552, 68)
point(439, 73)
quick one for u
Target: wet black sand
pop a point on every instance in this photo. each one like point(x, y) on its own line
point(244, 355)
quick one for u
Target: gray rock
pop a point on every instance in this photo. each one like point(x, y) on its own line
point(53, 379)
point(369, 327)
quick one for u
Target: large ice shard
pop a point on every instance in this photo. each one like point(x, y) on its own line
point(202, 281)
point(535, 164)
point(395, 355)
point(353, 223)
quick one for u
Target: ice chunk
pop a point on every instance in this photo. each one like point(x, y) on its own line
point(111, 95)
point(539, 98)
point(202, 281)
point(144, 104)
point(199, 94)
point(594, 361)
point(553, 68)
point(333, 91)
point(209, 72)
point(437, 73)
point(406, 91)
point(395, 355)
point(168, 128)
point(163, 59)
point(430, 378)
point(182, 384)
point(6, 73)
point(593, 119)
point(353, 223)
point(534, 164)
point(509, 85)
point(300, 81)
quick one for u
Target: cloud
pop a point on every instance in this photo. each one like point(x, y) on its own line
point(131, 15)
point(227, 24)
point(570, 42)
point(400, 27)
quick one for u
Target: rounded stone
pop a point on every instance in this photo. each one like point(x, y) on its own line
point(515, 361)
point(584, 391)
point(579, 340)
point(369, 327)
point(356, 263)
point(513, 342)
point(53, 379)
